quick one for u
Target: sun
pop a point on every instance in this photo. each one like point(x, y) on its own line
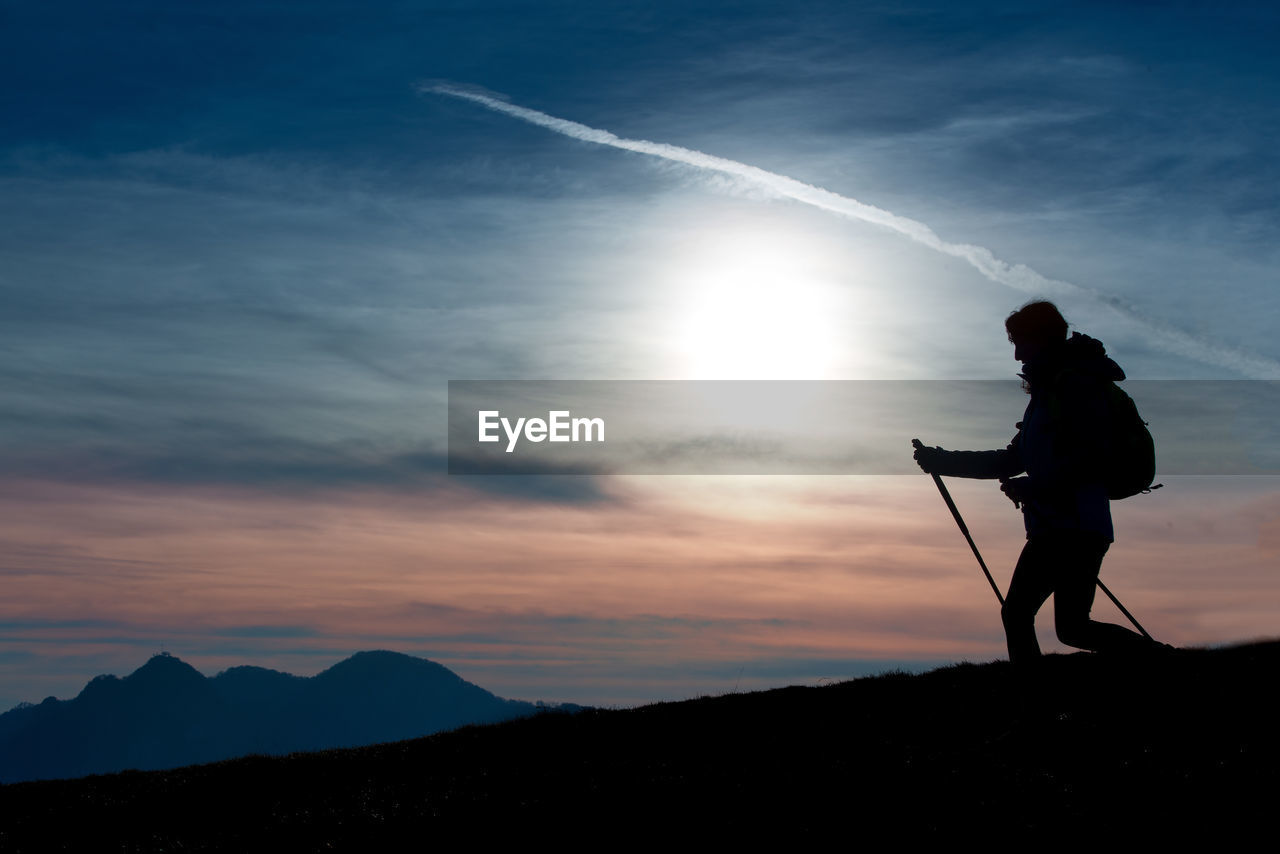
point(754, 305)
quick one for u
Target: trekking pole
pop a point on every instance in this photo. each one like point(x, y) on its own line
point(1124, 610)
point(964, 529)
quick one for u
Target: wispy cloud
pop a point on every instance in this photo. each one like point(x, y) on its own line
point(1018, 277)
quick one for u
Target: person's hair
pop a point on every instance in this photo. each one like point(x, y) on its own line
point(1038, 320)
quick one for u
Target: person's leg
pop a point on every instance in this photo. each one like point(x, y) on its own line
point(1030, 586)
point(1077, 561)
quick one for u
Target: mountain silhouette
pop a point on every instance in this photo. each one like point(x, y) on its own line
point(167, 714)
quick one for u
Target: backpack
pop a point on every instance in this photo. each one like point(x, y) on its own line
point(1132, 463)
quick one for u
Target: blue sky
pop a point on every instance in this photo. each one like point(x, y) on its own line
point(242, 251)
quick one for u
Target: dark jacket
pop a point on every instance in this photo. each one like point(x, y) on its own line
point(1062, 441)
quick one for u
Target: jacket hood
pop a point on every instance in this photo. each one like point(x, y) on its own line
point(1077, 353)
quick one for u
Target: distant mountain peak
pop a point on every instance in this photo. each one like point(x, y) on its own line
point(162, 665)
point(382, 654)
point(379, 663)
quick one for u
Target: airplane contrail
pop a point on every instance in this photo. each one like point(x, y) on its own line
point(1016, 276)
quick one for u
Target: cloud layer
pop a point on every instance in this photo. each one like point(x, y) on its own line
point(1016, 276)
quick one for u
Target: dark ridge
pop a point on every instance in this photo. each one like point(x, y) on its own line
point(1079, 749)
point(166, 714)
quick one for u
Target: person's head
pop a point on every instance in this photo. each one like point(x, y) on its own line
point(1035, 327)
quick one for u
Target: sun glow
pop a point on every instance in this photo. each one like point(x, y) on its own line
point(755, 305)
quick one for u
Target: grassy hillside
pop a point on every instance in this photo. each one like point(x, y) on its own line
point(1080, 748)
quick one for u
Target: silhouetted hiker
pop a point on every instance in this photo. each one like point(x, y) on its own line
point(1062, 445)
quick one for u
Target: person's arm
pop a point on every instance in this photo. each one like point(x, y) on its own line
point(1003, 463)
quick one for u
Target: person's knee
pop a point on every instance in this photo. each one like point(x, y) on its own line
point(1073, 632)
point(1013, 616)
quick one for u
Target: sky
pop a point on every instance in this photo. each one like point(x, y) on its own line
point(244, 248)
